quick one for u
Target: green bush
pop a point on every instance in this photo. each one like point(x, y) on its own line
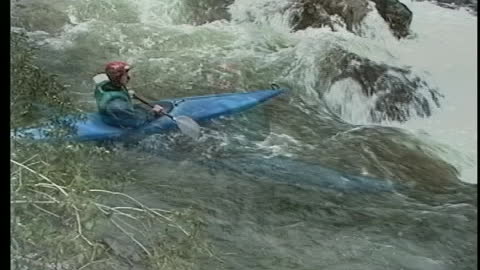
point(34, 94)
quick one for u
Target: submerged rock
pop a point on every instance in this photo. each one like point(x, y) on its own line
point(319, 13)
point(399, 94)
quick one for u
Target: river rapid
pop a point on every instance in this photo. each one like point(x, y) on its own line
point(264, 181)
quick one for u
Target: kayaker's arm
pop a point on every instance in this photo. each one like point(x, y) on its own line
point(157, 109)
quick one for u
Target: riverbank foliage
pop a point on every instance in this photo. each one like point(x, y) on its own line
point(66, 213)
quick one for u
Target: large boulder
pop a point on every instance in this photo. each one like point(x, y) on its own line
point(309, 14)
point(198, 12)
point(205, 11)
point(319, 13)
point(396, 14)
point(399, 93)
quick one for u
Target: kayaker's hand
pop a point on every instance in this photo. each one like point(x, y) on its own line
point(157, 109)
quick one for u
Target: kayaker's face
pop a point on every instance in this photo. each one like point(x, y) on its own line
point(125, 78)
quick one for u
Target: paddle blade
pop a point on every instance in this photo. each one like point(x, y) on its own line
point(188, 126)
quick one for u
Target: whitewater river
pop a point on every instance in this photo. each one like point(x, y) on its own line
point(266, 182)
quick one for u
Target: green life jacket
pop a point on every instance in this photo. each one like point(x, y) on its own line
point(105, 92)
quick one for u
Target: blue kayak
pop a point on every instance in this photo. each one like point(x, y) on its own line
point(90, 127)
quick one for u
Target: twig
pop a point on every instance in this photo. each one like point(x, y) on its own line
point(114, 210)
point(94, 252)
point(142, 210)
point(20, 182)
point(179, 227)
point(133, 228)
point(161, 210)
point(136, 201)
point(33, 163)
point(46, 185)
point(118, 193)
point(79, 224)
point(45, 194)
point(15, 243)
point(154, 211)
point(37, 202)
point(30, 158)
point(144, 207)
point(99, 205)
point(41, 176)
point(131, 237)
point(46, 211)
point(145, 210)
point(103, 211)
point(90, 263)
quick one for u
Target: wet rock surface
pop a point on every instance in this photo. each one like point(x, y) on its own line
point(400, 94)
point(206, 11)
point(319, 13)
point(396, 14)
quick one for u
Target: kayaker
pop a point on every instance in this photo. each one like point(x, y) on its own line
point(114, 100)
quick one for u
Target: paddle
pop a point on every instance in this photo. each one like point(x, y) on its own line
point(186, 124)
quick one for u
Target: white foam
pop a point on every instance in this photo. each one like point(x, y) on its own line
point(345, 97)
point(446, 47)
point(443, 52)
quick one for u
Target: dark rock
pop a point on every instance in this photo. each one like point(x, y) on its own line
point(317, 13)
point(397, 90)
point(396, 14)
point(205, 11)
point(308, 14)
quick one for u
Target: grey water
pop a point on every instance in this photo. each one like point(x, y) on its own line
point(295, 183)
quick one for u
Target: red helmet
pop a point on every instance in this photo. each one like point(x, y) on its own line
point(115, 70)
